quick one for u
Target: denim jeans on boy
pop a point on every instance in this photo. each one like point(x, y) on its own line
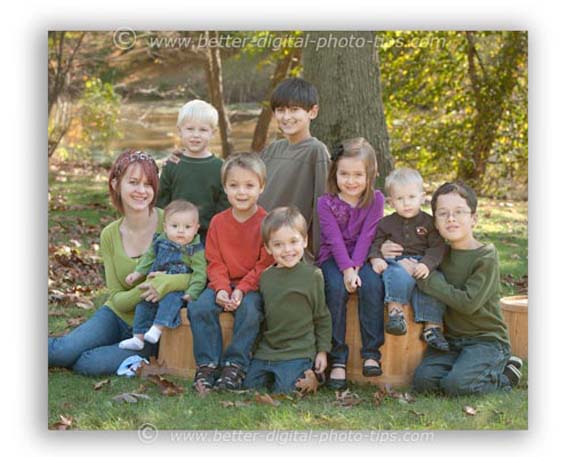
point(370, 311)
point(92, 348)
point(280, 376)
point(400, 287)
point(472, 366)
point(204, 316)
point(166, 313)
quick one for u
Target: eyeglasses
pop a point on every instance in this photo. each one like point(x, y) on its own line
point(458, 214)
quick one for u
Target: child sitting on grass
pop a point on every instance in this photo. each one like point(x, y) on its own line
point(414, 230)
point(176, 251)
point(468, 283)
point(297, 328)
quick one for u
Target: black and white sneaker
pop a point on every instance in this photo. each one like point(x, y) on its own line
point(513, 370)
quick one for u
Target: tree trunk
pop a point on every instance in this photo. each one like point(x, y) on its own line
point(491, 90)
point(288, 61)
point(214, 77)
point(348, 81)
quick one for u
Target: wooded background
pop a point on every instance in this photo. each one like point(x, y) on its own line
point(453, 104)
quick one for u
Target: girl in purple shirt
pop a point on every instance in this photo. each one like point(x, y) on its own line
point(349, 214)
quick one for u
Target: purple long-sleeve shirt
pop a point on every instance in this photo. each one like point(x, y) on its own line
point(346, 233)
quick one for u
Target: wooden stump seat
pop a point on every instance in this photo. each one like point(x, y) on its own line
point(400, 354)
point(515, 312)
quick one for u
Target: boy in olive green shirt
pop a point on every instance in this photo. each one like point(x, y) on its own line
point(297, 329)
point(468, 283)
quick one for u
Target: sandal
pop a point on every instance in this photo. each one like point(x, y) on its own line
point(434, 338)
point(231, 378)
point(371, 370)
point(205, 376)
point(396, 324)
point(337, 384)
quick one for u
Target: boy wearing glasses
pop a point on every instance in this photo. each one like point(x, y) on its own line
point(468, 283)
point(422, 251)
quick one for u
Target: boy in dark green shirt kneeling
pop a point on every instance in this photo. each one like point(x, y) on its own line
point(297, 329)
point(468, 283)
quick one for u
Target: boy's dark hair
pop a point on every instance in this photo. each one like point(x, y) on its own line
point(294, 92)
point(459, 188)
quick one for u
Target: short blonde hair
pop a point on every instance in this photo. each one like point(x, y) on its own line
point(358, 148)
point(402, 177)
point(198, 110)
point(181, 206)
point(283, 216)
point(248, 161)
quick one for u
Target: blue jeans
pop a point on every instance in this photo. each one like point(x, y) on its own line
point(370, 311)
point(92, 348)
point(400, 287)
point(166, 312)
point(204, 319)
point(472, 366)
point(281, 375)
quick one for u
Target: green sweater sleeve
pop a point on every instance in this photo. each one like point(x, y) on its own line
point(198, 282)
point(482, 283)
point(121, 297)
point(165, 191)
point(321, 316)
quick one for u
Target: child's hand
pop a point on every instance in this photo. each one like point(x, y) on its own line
point(321, 362)
point(378, 265)
point(409, 265)
point(351, 279)
point(133, 277)
point(175, 156)
point(236, 298)
point(186, 298)
point(389, 249)
point(150, 294)
point(223, 299)
point(421, 271)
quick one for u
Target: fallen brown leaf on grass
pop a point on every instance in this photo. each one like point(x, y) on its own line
point(234, 404)
point(469, 410)
point(265, 399)
point(347, 399)
point(307, 384)
point(101, 384)
point(166, 387)
point(386, 390)
point(130, 397)
point(75, 321)
point(153, 368)
point(63, 424)
point(201, 389)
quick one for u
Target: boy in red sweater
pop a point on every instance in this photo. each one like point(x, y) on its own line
point(236, 257)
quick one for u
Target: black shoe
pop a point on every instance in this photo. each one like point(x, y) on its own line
point(231, 378)
point(371, 370)
point(396, 324)
point(337, 384)
point(205, 376)
point(513, 374)
point(434, 338)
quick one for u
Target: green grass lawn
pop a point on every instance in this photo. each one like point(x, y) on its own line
point(79, 209)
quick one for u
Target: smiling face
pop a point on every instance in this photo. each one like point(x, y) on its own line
point(406, 199)
point(136, 192)
point(455, 221)
point(351, 179)
point(195, 136)
point(294, 121)
point(181, 226)
point(287, 246)
point(242, 187)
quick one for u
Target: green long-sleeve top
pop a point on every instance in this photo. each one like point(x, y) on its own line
point(191, 255)
point(468, 283)
point(196, 181)
point(297, 322)
point(123, 298)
